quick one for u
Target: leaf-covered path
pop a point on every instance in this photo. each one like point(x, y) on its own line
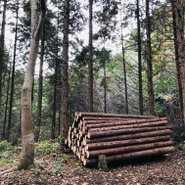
point(50, 170)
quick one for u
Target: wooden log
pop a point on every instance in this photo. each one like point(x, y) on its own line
point(91, 118)
point(113, 144)
point(65, 142)
point(128, 136)
point(133, 148)
point(93, 114)
point(124, 131)
point(115, 123)
point(155, 151)
point(82, 133)
point(76, 130)
point(103, 121)
point(148, 124)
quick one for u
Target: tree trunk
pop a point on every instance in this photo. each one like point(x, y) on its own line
point(155, 151)
point(6, 108)
point(2, 50)
point(13, 72)
point(54, 101)
point(27, 154)
point(139, 62)
point(124, 131)
point(149, 62)
point(130, 142)
point(65, 114)
point(105, 89)
point(126, 149)
point(117, 127)
point(39, 105)
point(178, 9)
point(90, 64)
point(128, 136)
point(124, 64)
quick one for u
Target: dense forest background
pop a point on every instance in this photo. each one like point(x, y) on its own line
point(133, 45)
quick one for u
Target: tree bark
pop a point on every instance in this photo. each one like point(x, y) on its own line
point(139, 62)
point(117, 123)
point(54, 101)
point(7, 98)
point(39, 104)
point(27, 154)
point(124, 65)
point(149, 62)
point(105, 88)
point(131, 155)
point(90, 64)
point(114, 151)
point(90, 114)
point(2, 49)
point(147, 124)
point(177, 59)
point(13, 72)
point(130, 142)
point(179, 14)
point(124, 131)
point(65, 114)
point(128, 136)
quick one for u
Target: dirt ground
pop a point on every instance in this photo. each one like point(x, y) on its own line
point(168, 170)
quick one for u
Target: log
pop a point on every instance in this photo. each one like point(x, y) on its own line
point(76, 130)
point(129, 136)
point(115, 123)
point(148, 124)
point(122, 150)
point(104, 121)
point(124, 131)
point(102, 118)
point(113, 144)
point(93, 114)
point(131, 155)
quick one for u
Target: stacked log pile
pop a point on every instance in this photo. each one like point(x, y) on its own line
point(118, 136)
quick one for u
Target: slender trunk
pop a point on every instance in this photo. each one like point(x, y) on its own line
point(54, 101)
point(7, 98)
point(2, 50)
point(39, 105)
point(65, 114)
point(27, 154)
point(90, 64)
point(105, 88)
point(124, 65)
point(13, 72)
point(139, 63)
point(149, 62)
point(59, 118)
point(177, 59)
point(179, 14)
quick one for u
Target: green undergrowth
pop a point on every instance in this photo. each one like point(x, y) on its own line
point(9, 155)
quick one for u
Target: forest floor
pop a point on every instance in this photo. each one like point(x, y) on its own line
point(56, 168)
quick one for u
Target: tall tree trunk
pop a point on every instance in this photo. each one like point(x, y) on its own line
point(105, 88)
point(7, 98)
point(2, 37)
point(177, 59)
point(13, 72)
point(149, 62)
point(139, 63)
point(90, 64)
point(39, 105)
point(65, 113)
point(179, 15)
point(27, 154)
point(54, 100)
point(124, 64)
